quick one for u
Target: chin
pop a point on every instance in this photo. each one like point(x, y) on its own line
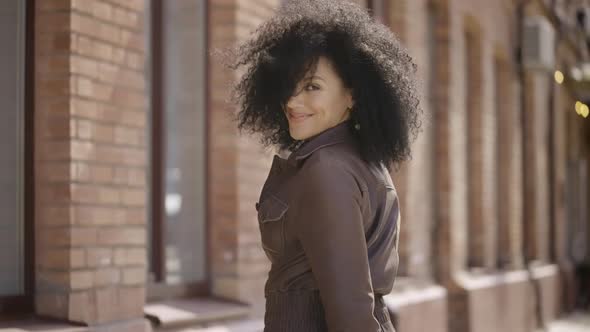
point(298, 135)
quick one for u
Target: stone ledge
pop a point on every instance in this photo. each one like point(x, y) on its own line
point(48, 325)
point(408, 291)
point(40, 324)
point(246, 325)
point(191, 312)
point(474, 281)
point(411, 300)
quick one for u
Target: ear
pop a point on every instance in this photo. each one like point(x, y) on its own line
point(349, 99)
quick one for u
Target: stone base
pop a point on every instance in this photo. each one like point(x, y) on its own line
point(38, 324)
point(135, 325)
point(411, 301)
point(568, 287)
point(505, 301)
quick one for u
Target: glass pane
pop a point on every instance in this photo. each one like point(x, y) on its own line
point(184, 139)
point(11, 157)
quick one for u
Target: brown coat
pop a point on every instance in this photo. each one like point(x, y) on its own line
point(330, 226)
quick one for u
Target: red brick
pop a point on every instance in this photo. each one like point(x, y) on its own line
point(53, 281)
point(131, 300)
point(85, 172)
point(83, 236)
point(53, 86)
point(107, 276)
point(130, 256)
point(52, 6)
point(135, 5)
point(128, 136)
point(130, 176)
point(91, 113)
point(47, 44)
point(134, 276)
point(134, 118)
point(81, 150)
point(99, 215)
point(81, 279)
point(122, 236)
point(54, 151)
point(131, 197)
point(50, 215)
point(99, 257)
point(80, 306)
point(135, 216)
point(54, 237)
point(53, 22)
point(54, 259)
point(55, 171)
point(107, 305)
point(135, 61)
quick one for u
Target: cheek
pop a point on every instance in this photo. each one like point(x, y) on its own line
point(324, 104)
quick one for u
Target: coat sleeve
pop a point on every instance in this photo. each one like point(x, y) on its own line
point(330, 230)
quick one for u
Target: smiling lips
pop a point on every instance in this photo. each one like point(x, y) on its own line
point(298, 117)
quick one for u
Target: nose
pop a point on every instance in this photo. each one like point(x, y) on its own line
point(294, 101)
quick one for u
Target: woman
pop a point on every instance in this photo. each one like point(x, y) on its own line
point(326, 83)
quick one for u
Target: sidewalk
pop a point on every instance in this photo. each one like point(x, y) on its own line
point(576, 322)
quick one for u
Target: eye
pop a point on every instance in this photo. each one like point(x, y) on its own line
point(311, 87)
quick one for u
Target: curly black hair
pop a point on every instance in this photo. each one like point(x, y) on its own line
point(368, 57)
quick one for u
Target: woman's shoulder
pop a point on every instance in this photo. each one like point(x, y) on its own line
point(330, 164)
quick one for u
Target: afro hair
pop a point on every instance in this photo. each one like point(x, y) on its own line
point(367, 56)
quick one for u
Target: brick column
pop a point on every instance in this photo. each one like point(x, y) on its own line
point(397, 22)
point(90, 162)
point(536, 197)
point(505, 137)
point(477, 229)
point(238, 264)
point(398, 12)
point(443, 185)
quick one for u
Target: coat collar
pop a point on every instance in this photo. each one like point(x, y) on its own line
point(340, 133)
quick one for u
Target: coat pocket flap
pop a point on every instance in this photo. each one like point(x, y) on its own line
point(271, 209)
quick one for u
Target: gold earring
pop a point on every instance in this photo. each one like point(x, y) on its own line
point(357, 126)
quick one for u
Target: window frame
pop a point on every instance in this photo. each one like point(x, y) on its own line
point(24, 304)
point(157, 288)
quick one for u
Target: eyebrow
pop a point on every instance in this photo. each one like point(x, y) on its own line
point(315, 76)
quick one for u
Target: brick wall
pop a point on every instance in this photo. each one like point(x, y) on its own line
point(239, 266)
point(505, 134)
point(417, 176)
point(473, 63)
point(90, 158)
point(398, 11)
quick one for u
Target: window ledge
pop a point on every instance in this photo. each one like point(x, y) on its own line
point(194, 311)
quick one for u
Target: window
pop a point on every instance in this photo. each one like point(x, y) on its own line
point(16, 264)
point(178, 181)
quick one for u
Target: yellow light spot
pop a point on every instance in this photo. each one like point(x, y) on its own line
point(579, 107)
point(559, 77)
point(584, 110)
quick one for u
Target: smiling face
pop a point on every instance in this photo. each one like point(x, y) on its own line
point(321, 101)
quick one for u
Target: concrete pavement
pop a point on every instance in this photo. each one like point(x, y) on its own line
point(576, 322)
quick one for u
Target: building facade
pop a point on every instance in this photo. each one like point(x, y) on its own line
point(129, 194)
